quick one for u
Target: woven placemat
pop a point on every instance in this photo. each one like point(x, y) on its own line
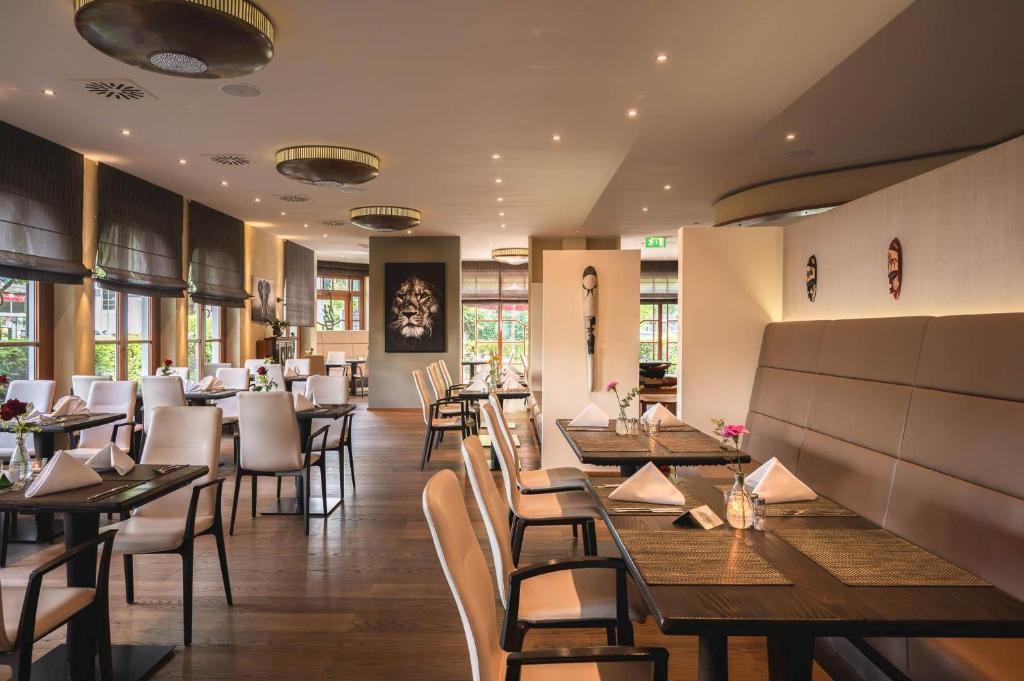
point(698, 557)
point(640, 507)
point(689, 442)
point(818, 508)
point(607, 441)
point(861, 557)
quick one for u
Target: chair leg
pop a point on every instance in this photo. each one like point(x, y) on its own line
point(575, 531)
point(610, 635)
point(323, 481)
point(103, 648)
point(351, 468)
point(305, 496)
point(441, 438)
point(279, 488)
point(129, 578)
point(22, 668)
point(253, 493)
point(426, 448)
point(222, 554)
point(5, 538)
point(590, 531)
point(186, 590)
point(518, 530)
point(235, 502)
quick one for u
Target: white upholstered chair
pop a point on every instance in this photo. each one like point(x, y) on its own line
point(298, 365)
point(212, 368)
point(441, 393)
point(160, 391)
point(335, 357)
point(181, 371)
point(80, 384)
point(170, 524)
point(253, 364)
point(233, 379)
point(269, 446)
point(37, 393)
point(110, 397)
point(466, 573)
point(450, 385)
point(333, 390)
point(575, 508)
point(437, 424)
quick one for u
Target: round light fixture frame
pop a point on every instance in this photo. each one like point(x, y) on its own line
point(385, 218)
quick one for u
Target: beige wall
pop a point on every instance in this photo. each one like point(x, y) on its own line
point(962, 231)
point(616, 352)
point(264, 257)
point(730, 286)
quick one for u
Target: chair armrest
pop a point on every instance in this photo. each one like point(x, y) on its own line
point(559, 564)
point(118, 426)
point(658, 657)
point(313, 436)
point(193, 505)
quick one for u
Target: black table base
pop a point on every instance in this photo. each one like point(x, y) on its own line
point(291, 506)
point(42, 528)
point(131, 663)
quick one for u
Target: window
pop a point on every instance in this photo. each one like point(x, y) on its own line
point(19, 345)
point(123, 329)
point(339, 303)
point(659, 333)
point(205, 337)
point(497, 329)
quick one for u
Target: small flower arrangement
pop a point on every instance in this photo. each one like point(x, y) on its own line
point(269, 359)
point(731, 435)
point(16, 410)
point(624, 402)
point(165, 367)
point(493, 368)
point(263, 382)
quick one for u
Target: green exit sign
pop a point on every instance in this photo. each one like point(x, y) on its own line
point(655, 242)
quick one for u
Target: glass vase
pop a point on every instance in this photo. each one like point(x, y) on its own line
point(620, 426)
point(20, 467)
point(739, 507)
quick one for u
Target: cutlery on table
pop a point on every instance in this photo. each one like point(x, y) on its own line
point(657, 509)
point(110, 492)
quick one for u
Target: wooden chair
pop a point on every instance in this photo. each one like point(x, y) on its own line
point(437, 423)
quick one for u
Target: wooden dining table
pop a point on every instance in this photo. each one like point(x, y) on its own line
point(785, 595)
point(76, 659)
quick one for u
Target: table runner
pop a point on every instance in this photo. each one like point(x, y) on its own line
point(692, 441)
point(641, 507)
point(607, 441)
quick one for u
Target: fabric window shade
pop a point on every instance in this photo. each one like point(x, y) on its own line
point(659, 281)
point(40, 209)
point(138, 236)
point(217, 244)
point(326, 268)
point(487, 281)
point(299, 285)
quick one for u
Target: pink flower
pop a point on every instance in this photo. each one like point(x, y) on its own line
point(734, 431)
point(612, 385)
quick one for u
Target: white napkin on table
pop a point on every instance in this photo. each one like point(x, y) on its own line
point(111, 457)
point(68, 405)
point(210, 384)
point(667, 418)
point(592, 416)
point(774, 483)
point(302, 403)
point(64, 472)
point(511, 384)
point(511, 375)
point(477, 386)
point(290, 372)
point(649, 485)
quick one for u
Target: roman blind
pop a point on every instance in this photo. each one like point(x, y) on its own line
point(40, 209)
point(216, 263)
point(138, 236)
point(659, 281)
point(487, 281)
point(327, 268)
point(299, 285)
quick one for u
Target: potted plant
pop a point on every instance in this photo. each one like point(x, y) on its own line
point(277, 327)
point(13, 412)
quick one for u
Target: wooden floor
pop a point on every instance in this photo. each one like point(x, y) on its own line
point(362, 597)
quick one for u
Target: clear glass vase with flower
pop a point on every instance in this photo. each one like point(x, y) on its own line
point(739, 506)
point(14, 414)
point(622, 422)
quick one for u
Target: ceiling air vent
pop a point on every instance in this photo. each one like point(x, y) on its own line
point(230, 159)
point(292, 198)
point(334, 223)
point(126, 91)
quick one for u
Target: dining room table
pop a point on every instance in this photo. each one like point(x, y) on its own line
point(75, 660)
point(354, 371)
point(472, 398)
point(815, 570)
point(203, 398)
point(679, 445)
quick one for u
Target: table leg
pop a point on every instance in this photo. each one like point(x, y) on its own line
point(45, 528)
point(81, 571)
point(790, 657)
point(627, 469)
point(713, 658)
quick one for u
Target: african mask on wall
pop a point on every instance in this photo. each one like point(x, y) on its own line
point(895, 260)
point(812, 278)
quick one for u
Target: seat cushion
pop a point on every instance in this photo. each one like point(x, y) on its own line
point(450, 408)
point(556, 505)
point(965, 659)
point(139, 534)
point(448, 422)
point(585, 671)
point(574, 595)
point(56, 605)
point(548, 478)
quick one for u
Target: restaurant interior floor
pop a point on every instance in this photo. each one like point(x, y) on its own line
point(362, 598)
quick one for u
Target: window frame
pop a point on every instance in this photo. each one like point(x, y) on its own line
point(33, 310)
point(121, 340)
point(347, 296)
point(201, 340)
point(500, 320)
point(661, 341)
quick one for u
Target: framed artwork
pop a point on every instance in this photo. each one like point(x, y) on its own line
point(812, 278)
point(894, 259)
point(264, 300)
point(414, 300)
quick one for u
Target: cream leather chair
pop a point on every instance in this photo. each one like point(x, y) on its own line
point(333, 390)
point(31, 612)
point(170, 524)
point(80, 384)
point(276, 375)
point(212, 368)
point(437, 423)
point(233, 379)
point(466, 572)
point(269, 446)
point(437, 384)
point(588, 592)
point(335, 357)
point(450, 385)
point(37, 393)
point(574, 508)
point(300, 366)
point(538, 481)
point(253, 364)
point(180, 371)
point(111, 397)
point(160, 391)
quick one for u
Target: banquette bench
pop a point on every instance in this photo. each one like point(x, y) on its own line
point(916, 423)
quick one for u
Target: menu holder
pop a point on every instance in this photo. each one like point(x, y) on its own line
point(701, 517)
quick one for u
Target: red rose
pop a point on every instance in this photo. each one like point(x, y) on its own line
point(12, 409)
point(3, 379)
point(262, 371)
point(168, 362)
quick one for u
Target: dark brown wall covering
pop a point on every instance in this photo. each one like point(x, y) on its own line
point(138, 235)
point(299, 285)
point(217, 245)
point(40, 209)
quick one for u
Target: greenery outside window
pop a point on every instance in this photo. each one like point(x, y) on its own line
point(659, 333)
point(498, 329)
point(19, 345)
point(124, 330)
point(339, 303)
point(205, 337)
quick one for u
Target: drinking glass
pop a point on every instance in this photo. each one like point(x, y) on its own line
point(653, 426)
point(633, 426)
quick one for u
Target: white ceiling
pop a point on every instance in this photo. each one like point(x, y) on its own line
point(434, 88)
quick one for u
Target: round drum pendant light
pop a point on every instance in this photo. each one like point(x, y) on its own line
point(189, 38)
point(511, 256)
point(325, 166)
point(384, 218)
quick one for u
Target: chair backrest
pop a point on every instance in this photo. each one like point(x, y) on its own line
point(298, 387)
point(276, 375)
point(327, 389)
point(494, 510)
point(446, 376)
point(80, 384)
point(506, 459)
point(299, 365)
point(37, 393)
point(424, 393)
point(111, 397)
point(183, 435)
point(160, 391)
point(317, 365)
point(235, 379)
point(268, 432)
point(179, 371)
point(212, 368)
point(436, 383)
point(253, 364)
point(466, 571)
point(335, 357)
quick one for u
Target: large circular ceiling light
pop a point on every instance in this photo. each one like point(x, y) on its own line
point(511, 256)
point(325, 166)
point(384, 218)
point(189, 38)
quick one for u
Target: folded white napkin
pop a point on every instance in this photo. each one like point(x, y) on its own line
point(290, 372)
point(210, 384)
point(190, 386)
point(591, 416)
point(64, 472)
point(649, 485)
point(509, 374)
point(667, 418)
point(69, 405)
point(477, 386)
point(511, 384)
point(774, 483)
point(302, 403)
point(111, 457)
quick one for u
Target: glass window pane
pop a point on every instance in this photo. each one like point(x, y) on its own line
point(140, 359)
point(213, 352)
point(357, 303)
point(105, 314)
point(16, 310)
point(341, 284)
point(193, 367)
point(648, 331)
point(356, 284)
point(193, 321)
point(105, 358)
point(17, 362)
point(212, 320)
point(137, 321)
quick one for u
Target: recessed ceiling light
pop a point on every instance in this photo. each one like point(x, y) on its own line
point(497, 180)
point(503, 225)
point(644, 209)
point(500, 199)
point(325, 236)
point(667, 187)
point(632, 113)
point(790, 136)
point(282, 213)
point(182, 161)
point(48, 92)
point(556, 137)
point(661, 58)
point(223, 183)
point(257, 199)
point(306, 225)
point(125, 131)
point(495, 157)
point(408, 231)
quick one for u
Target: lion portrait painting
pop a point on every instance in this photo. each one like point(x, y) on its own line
point(414, 307)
